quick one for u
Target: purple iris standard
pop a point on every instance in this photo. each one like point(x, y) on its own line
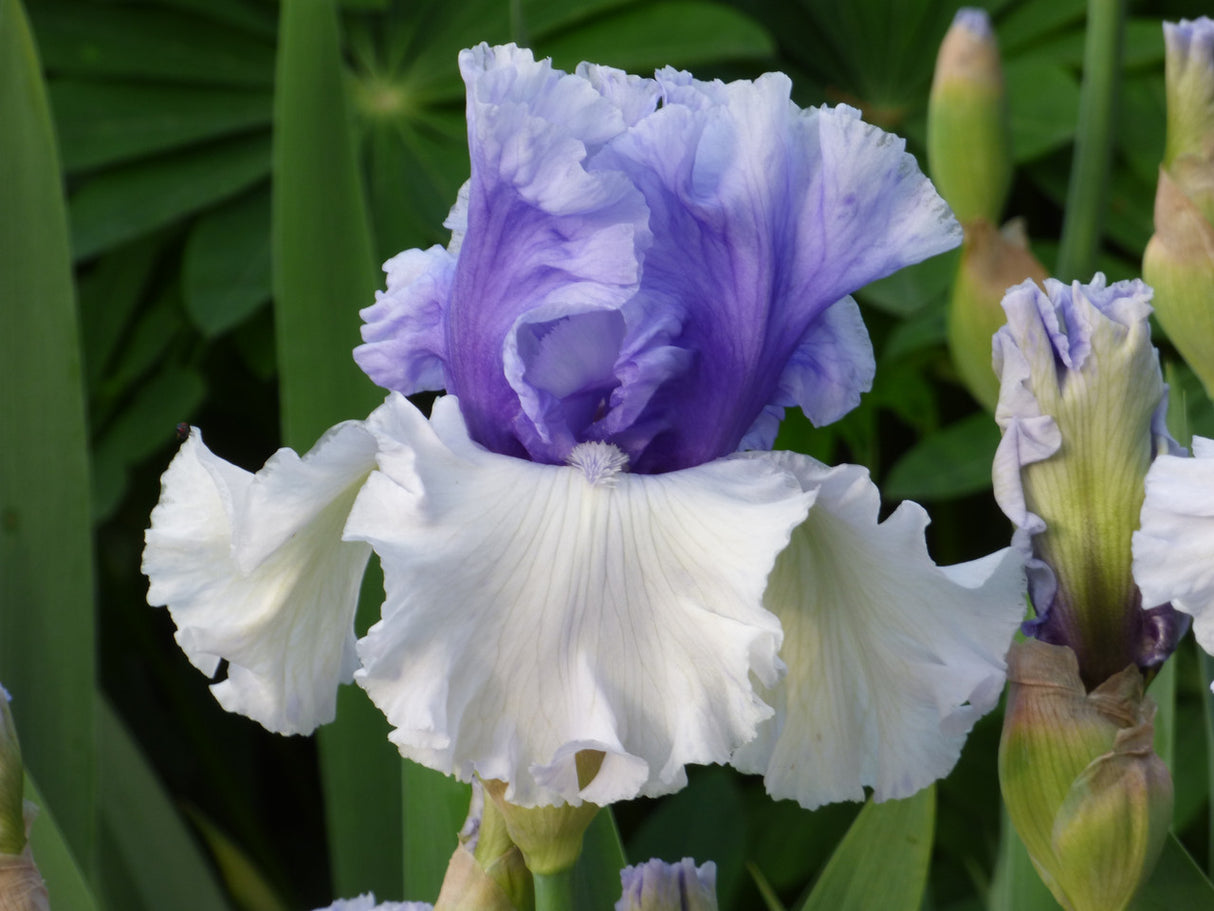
point(660, 264)
point(642, 275)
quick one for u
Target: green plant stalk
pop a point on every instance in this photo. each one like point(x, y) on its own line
point(554, 891)
point(1086, 199)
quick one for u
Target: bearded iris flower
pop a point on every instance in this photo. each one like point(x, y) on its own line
point(579, 554)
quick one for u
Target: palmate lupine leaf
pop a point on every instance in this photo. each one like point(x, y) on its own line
point(46, 571)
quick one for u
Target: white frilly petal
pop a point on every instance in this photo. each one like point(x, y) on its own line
point(531, 614)
point(890, 658)
point(254, 572)
point(1174, 548)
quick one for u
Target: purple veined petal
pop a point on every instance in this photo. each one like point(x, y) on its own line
point(891, 658)
point(763, 217)
point(825, 375)
point(541, 230)
point(404, 333)
point(725, 226)
point(254, 571)
point(637, 599)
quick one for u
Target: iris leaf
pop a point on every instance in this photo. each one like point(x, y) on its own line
point(435, 807)
point(46, 569)
point(66, 886)
point(322, 273)
point(1016, 886)
point(596, 878)
point(144, 837)
point(1176, 883)
point(883, 860)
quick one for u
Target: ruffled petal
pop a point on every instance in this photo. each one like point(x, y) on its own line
point(404, 331)
point(763, 217)
point(891, 659)
point(254, 572)
point(542, 230)
point(662, 264)
point(1174, 549)
point(532, 613)
point(825, 375)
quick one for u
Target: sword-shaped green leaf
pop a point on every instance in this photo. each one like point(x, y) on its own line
point(46, 570)
point(323, 272)
point(883, 859)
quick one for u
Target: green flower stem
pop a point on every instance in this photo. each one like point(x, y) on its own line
point(554, 891)
point(1086, 196)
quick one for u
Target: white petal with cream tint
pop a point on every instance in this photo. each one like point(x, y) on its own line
point(1174, 548)
point(891, 659)
point(254, 572)
point(532, 613)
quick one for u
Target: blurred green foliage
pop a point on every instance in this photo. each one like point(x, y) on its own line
point(164, 112)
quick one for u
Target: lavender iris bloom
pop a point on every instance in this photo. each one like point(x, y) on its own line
point(642, 275)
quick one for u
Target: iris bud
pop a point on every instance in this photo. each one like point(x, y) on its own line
point(659, 886)
point(1082, 785)
point(1179, 260)
point(968, 131)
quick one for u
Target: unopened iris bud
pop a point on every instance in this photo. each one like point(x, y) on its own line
point(1081, 407)
point(1179, 260)
point(991, 262)
point(1189, 149)
point(1082, 785)
point(659, 886)
point(968, 131)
